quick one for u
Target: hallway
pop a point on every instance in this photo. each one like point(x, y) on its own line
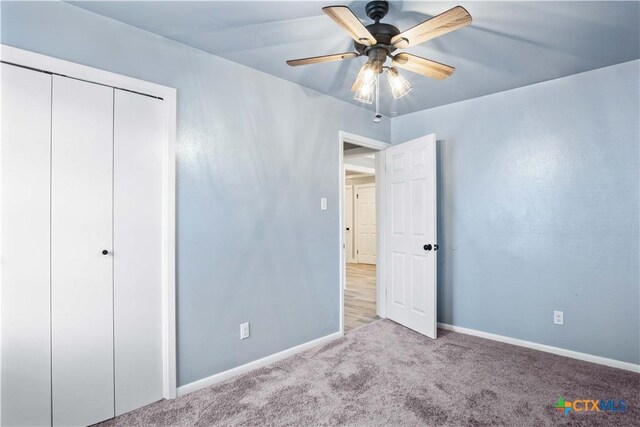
point(360, 296)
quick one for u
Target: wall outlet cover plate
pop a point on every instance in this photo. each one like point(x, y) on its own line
point(244, 331)
point(558, 317)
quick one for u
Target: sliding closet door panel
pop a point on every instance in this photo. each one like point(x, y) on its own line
point(137, 250)
point(81, 276)
point(26, 142)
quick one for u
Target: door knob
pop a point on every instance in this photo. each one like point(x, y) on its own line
point(105, 252)
point(347, 228)
point(427, 247)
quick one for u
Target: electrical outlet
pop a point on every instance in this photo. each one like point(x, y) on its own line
point(558, 318)
point(244, 331)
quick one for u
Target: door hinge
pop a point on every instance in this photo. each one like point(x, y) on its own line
point(357, 252)
point(357, 196)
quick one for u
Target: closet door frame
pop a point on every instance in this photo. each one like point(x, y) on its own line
point(45, 63)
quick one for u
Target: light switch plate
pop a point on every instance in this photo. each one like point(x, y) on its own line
point(323, 203)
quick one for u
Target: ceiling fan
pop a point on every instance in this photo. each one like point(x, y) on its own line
point(379, 40)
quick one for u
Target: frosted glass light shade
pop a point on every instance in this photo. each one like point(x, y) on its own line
point(366, 75)
point(365, 93)
point(399, 85)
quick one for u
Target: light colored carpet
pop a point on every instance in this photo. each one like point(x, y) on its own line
point(385, 374)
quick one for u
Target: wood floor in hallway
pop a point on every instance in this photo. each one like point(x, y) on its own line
point(360, 296)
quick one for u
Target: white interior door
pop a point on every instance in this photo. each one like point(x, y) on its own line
point(81, 229)
point(137, 249)
point(411, 234)
point(348, 223)
point(366, 223)
point(25, 290)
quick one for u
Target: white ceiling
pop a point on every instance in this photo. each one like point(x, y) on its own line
point(508, 45)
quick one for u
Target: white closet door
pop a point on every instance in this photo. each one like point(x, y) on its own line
point(137, 250)
point(366, 223)
point(26, 141)
point(81, 276)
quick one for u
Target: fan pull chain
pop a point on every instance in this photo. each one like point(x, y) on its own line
point(378, 117)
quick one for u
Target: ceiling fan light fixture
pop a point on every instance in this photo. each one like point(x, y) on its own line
point(399, 85)
point(366, 75)
point(365, 93)
point(379, 41)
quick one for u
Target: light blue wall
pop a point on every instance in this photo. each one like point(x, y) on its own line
point(254, 155)
point(538, 210)
point(538, 197)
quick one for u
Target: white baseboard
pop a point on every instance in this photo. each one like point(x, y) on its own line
point(546, 348)
point(213, 379)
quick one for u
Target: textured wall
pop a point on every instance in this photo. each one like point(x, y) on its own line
point(254, 155)
point(538, 197)
point(538, 211)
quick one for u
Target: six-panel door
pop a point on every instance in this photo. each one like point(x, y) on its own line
point(411, 234)
point(366, 223)
point(348, 224)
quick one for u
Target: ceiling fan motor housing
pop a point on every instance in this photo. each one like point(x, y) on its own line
point(377, 56)
point(382, 32)
point(377, 10)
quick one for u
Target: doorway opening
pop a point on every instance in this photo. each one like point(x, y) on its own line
point(362, 183)
point(360, 236)
point(405, 231)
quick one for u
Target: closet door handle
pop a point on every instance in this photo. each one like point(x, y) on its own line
point(105, 252)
